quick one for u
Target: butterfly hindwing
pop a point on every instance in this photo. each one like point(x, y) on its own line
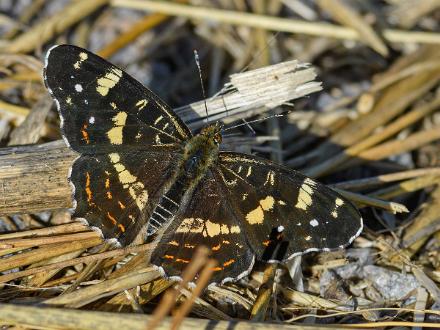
point(117, 193)
point(206, 220)
point(270, 199)
point(103, 109)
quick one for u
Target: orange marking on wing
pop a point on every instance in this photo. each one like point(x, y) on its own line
point(184, 261)
point(228, 263)
point(167, 256)
point(88, 190)
point(173, 243)
point(121, 227)
point(216, 248)
point(122, 206)
point(109, 195)
point(266, 243)
point(107, 183)
point(85, 134)
point(226, 242)
point(216, 269)
point(113, 220)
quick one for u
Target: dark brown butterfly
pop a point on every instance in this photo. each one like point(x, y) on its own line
point(142, 175)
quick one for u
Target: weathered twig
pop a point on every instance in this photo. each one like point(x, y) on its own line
point(77, 319)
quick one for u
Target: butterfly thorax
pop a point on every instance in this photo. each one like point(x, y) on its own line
point(201, 152)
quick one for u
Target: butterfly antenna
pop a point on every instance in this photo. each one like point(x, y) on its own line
point(249, 126)
point(256, 121)
point(197, 59)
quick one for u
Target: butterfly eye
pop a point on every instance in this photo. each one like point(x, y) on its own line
point(218, 138)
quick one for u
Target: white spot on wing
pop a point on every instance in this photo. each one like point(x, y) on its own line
point(314, 223)
point(78, 88)
point(92, 120)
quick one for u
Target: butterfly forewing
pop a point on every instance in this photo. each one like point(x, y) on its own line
point(206, 220)
point(269, 198)
point(103, 109)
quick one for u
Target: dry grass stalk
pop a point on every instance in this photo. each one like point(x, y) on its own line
point(393, 128)
point(346, 15)
point(43, 254)
point(57, 24)
point(169, 299)
point(271, 23)
point(185, 309)
point(385, 178)
point(78, 319)
point(84, 296)
point(261, 304)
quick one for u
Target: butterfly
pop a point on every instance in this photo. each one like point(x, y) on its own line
point(143, 176)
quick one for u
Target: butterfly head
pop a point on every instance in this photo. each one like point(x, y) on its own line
point(213, 132)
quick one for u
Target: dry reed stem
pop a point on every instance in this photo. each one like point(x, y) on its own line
point(391, 129)
point(84, 296)
point(408, 13)
point(32, 256)
point(72, 227)
point(88, 270)
point(204, 309)
point(14, 109)
point(31, 242)
point(146, 23)
point(406, 187)
point(147, 292)
point(348, 16)
point(169, 299)
point(271, 23)
point(31, 128)
point(423, 225)
point(38, 317)
point(202, 281)
point(38, 279)
point(143, 25)
point(261, 304)
point(53, 26)
point(392, 102)
point(370, 201)
point(42, 254)
point(383, 324)
point(385, 178)
point(397, 146)
point(311, 301)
